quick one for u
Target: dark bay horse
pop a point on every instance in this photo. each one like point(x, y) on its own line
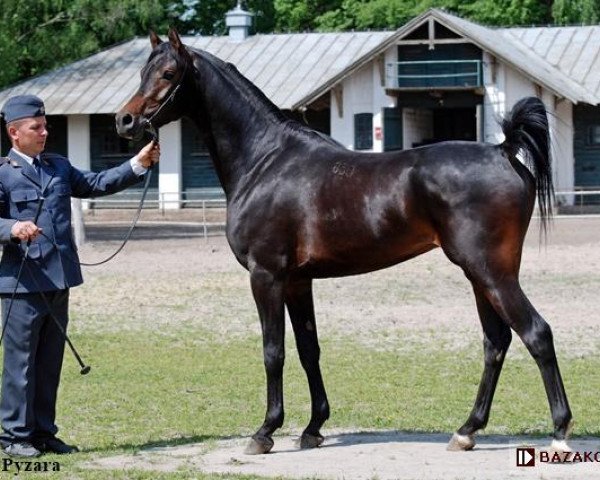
point(300, 206)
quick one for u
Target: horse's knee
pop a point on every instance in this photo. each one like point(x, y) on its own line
point(274, 356)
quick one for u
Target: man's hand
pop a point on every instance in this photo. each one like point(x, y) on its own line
point(149, 155)
point(26, 230)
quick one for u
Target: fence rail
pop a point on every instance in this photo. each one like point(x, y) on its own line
point(434, 73)
point(578, 201)
point(203, 200)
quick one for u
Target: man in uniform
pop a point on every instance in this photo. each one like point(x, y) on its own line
point(33, 344)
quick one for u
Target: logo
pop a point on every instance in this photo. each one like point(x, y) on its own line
point(526, 457)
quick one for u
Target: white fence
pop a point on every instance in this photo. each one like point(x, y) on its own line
point(578, 201)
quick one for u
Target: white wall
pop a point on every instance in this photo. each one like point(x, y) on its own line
point(494, 100)
point(342, 127)
point(417, 125)
point(510, 86)
point(363, 92)
point(80, 154)
point(78, 141)
point(562, 149)
point(170, 165)
point(380, 99)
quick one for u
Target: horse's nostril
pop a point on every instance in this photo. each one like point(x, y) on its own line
point(126, 120)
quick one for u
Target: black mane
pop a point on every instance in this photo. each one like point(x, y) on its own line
point(256, 97)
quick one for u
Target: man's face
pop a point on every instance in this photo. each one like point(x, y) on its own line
point(29, 135)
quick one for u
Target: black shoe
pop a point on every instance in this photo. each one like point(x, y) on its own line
point(21, 449)
point(56, 445)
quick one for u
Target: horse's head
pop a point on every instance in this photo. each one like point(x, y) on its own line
point(158, 100)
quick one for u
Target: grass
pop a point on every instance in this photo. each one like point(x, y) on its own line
point(149, 389)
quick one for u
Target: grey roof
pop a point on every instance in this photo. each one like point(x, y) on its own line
point(294, 70)
point(544, 65)
point(575, 51)
point(285, 67)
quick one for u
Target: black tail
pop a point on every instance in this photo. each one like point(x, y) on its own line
point(526, 130)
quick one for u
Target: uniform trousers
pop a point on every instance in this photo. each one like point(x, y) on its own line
point(33, 356)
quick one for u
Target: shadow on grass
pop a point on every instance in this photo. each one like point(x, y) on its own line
point(172, 442)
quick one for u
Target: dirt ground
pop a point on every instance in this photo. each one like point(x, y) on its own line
point(193, 282)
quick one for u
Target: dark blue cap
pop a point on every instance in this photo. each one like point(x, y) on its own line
point(22, 106)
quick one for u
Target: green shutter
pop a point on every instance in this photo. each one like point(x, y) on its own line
point(363, 131)
point(586, 120)
point(392, 129)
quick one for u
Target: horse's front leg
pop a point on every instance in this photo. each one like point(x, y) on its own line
point(268, 294)
point(299, 301)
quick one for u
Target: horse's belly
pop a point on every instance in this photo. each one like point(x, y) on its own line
point(354, 254)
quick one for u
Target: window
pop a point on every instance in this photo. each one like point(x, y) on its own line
point(363, 131)
point(594, 135)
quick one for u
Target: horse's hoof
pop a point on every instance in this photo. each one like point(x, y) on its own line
point(560, 446)
point(459, 443)
point(259, 445)
point(311, 441)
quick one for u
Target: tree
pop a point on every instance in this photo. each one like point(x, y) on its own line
point(378, 14)
point(41, 35)
point(508, 12)
point(302, 15)
point(585, 12)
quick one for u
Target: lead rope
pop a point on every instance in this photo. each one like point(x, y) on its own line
point(127, 236)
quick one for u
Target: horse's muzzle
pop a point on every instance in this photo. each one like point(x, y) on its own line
point(128, 125)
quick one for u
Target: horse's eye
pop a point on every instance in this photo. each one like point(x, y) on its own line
point(168, 75)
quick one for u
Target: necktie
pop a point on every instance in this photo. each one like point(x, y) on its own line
point(36, 165)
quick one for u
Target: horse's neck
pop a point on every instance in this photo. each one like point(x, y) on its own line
point(241, 126)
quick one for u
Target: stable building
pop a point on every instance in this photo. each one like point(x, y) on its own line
point(439, 77)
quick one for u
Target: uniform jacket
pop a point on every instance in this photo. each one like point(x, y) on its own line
point(54, 266)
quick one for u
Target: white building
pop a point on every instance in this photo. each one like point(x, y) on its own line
point(439, 77)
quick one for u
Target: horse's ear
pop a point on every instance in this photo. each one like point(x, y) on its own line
point(174, 39)
point(154, 39)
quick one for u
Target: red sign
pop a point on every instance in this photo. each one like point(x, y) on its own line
point(378, 133)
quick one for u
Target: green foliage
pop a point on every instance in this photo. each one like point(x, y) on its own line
point(298, 16)
point(392, 14)
point(379, 14)
point(585, 12)
point(507, 12)
point(41, 35)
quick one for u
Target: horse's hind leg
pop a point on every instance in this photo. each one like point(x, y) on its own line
point(496, 340)
point(268, 295)
point(299, 301)
point(501, 288)
point(514, 307)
